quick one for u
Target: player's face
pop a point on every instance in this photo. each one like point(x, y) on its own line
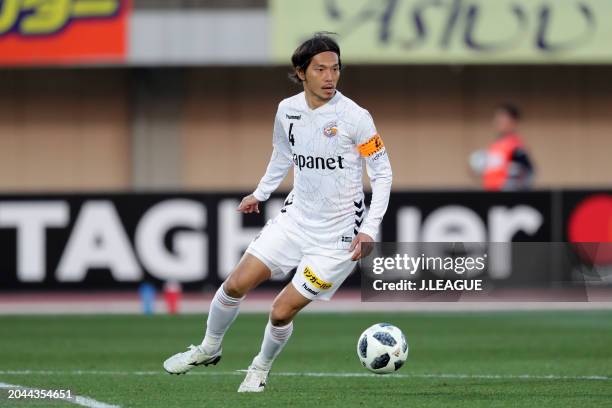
point(503, 123)
point(321, 76)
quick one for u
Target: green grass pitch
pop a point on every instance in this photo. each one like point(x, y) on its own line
point(508, 359)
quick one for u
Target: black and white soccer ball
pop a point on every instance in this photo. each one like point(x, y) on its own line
point(382, 348)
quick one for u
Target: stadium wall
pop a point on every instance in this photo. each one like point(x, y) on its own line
point(209, 128)
point(64, 130)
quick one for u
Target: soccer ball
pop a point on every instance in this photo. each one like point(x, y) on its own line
point(382, 348)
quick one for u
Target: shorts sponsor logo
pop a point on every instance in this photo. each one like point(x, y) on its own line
point(314, 292)
point(372, 146)
point(315, 280)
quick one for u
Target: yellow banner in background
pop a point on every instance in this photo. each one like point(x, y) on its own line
point(450, 31)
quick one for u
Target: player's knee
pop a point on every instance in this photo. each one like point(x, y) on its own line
point(280, 322)
point(282, 314)
point(232, 288)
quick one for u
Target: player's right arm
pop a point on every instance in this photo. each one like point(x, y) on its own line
point(279, 165)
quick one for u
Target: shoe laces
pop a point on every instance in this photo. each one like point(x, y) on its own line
point(255, 376)
point(191, 352)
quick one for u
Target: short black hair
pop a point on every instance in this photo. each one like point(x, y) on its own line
point(511, 109)
point(318, 43)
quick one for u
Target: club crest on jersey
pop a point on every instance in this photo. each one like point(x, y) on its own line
point(330, 129)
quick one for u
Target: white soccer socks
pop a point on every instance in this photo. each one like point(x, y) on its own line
point(275, 338)
point(223, 311)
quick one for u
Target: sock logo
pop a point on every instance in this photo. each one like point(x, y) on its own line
point(315, 280)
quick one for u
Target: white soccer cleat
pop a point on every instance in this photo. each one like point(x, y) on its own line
point(180, 363)
point(255, 380)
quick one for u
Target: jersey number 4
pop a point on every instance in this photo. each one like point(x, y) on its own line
point(291, 138)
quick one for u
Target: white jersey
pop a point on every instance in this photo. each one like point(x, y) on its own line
point(327, 147)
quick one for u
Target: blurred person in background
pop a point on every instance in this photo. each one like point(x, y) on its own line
point(505, 165)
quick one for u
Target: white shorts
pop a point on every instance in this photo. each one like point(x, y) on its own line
point(282, 248)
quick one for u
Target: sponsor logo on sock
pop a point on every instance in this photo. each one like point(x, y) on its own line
point(315, 280)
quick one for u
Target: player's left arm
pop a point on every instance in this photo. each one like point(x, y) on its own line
point(372, 149)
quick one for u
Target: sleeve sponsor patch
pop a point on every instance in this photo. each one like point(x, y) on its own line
point(315, 280)
point(372, 146)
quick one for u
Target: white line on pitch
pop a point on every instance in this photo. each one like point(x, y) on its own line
point(77, 399)
point(329, 375)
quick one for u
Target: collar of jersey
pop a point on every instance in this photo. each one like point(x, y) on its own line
point(324, 107)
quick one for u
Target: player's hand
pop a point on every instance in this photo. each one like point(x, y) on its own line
point(249, 204)
point(356, 247)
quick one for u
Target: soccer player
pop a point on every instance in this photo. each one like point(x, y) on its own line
point(326, 137)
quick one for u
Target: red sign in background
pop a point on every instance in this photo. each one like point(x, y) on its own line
point(51, 32)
